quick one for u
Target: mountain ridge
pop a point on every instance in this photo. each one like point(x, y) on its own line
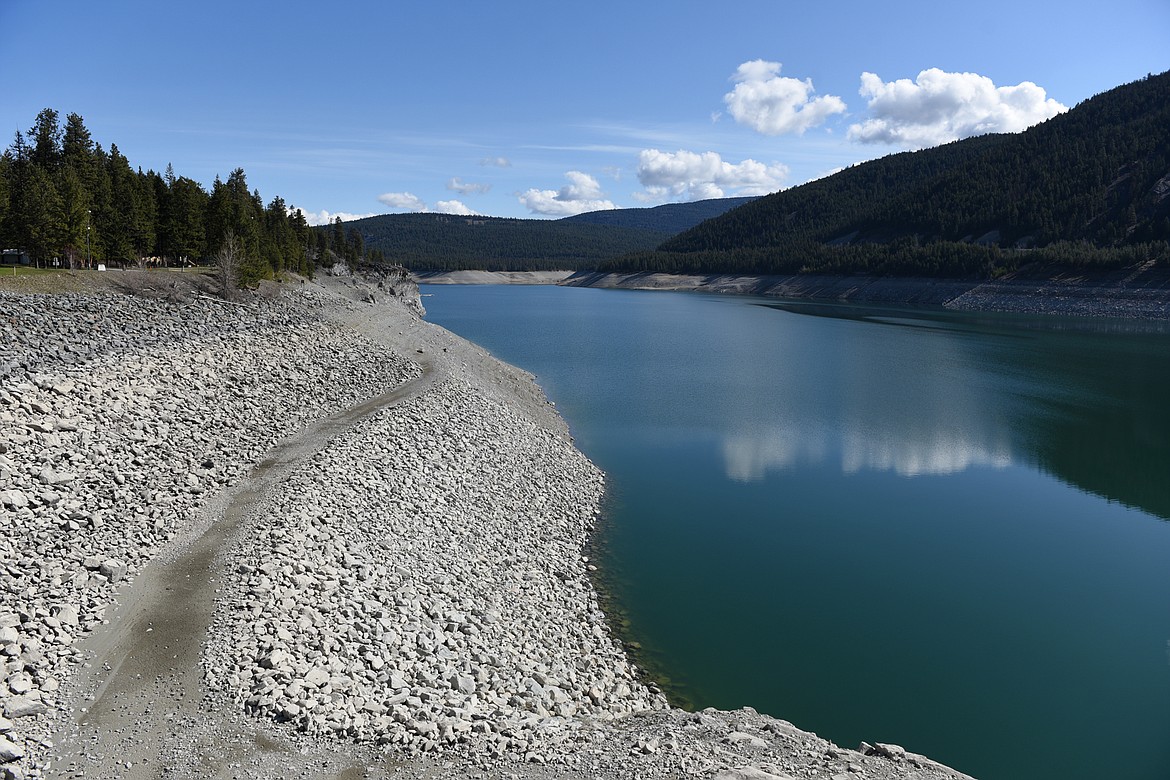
point(1088, 187)
point(427, 242)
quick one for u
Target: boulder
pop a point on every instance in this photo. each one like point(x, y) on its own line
point(13, 498)
point(10, 751)
point(113, 569)
point(24, 706)
point(748, 773)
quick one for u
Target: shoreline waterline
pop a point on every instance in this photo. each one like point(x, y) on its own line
point(764, 465)
point(285, 646)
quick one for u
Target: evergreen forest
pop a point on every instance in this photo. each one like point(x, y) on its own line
point(445, 242)
point(1089, 188)
point(67, 202)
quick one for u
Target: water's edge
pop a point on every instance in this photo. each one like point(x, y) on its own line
point(1142, 293)
point(1129, 293)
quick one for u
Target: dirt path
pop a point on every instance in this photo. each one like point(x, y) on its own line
point(145, 713)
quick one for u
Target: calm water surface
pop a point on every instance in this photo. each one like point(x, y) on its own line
point(947, 531)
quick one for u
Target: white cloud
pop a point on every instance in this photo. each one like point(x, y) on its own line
point(466, 187)
point(496, 162)
point(938, 107)
point(581, 194)
point(402, 200)
point(327, 217)
point(694, 176)
point(454, 207)
point(773, 104)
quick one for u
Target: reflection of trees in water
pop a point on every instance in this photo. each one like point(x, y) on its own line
point(1112, 438)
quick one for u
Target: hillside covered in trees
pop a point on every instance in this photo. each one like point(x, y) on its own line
point(65, 200)
point(1090, 187)
point(445, 242)
point(669, 218)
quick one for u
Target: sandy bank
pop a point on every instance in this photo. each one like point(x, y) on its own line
point(315, 536)
point(1142, 293)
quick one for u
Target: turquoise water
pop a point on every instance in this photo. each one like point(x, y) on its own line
point(942, 530)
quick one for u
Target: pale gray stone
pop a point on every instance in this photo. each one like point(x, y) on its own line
point(13, 498)
point(113, 569)
point(24, 706)
point(10, 751)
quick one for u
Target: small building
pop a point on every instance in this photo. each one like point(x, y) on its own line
point(14, 257)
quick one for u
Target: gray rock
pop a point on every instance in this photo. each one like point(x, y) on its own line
point(10, 751)
point(748, 773)
point(739, 737)
point(13, 498)
point(113, 569)
point(24, 706)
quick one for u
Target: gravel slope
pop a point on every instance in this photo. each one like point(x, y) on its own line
point(314, 536)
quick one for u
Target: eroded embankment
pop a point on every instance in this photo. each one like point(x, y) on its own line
point(119, 418)
point(1139, 293)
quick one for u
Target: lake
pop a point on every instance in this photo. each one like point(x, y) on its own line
point(943, 530)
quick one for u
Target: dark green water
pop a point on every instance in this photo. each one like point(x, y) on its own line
point(941, 530)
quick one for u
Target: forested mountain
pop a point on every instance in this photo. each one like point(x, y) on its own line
point(1091, 186)
point(64, 198)
point(669, 218)
point(445, 242)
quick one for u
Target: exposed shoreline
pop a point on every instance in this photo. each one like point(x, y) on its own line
point(1130, 293)
point(1136, 294)
point(491, 277)
point(467, 642)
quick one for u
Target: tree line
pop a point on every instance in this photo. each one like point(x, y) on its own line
point(66, 201)
point(448, 242)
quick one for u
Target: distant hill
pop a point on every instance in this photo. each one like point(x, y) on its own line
point(444, 242)
point(669, 218)
point(1088, 187)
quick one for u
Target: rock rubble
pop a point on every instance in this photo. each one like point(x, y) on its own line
point(118, 416)
point(416, 584)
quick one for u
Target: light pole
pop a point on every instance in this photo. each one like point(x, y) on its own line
point(88, 263)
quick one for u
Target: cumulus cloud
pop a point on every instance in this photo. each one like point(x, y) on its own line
point(402, 200)
point(581, 194)
point(694, 176)
point(773, 104)
point(324, 217)
point(455, 184)
point(496, 162)
point(938, 107)
point(408, 201)
point(454, 207)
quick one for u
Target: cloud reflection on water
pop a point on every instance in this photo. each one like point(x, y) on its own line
point(923, 403)
point(748, 456)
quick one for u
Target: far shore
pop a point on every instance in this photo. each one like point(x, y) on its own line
point(491, 277)
point(1133, 293)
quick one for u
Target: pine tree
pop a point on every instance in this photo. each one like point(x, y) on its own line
point(39, 216)
point(78, 152)
point(72, 218)
point(183, 216)
point(46, 141)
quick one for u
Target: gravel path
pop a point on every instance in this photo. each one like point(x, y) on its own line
point(316, 537)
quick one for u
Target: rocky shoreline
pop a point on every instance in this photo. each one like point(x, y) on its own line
point(395, 585)
point(1136, 293)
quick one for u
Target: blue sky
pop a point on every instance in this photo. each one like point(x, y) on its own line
point(531, 109)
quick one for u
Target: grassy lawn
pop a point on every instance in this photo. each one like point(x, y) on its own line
point(26, 279)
